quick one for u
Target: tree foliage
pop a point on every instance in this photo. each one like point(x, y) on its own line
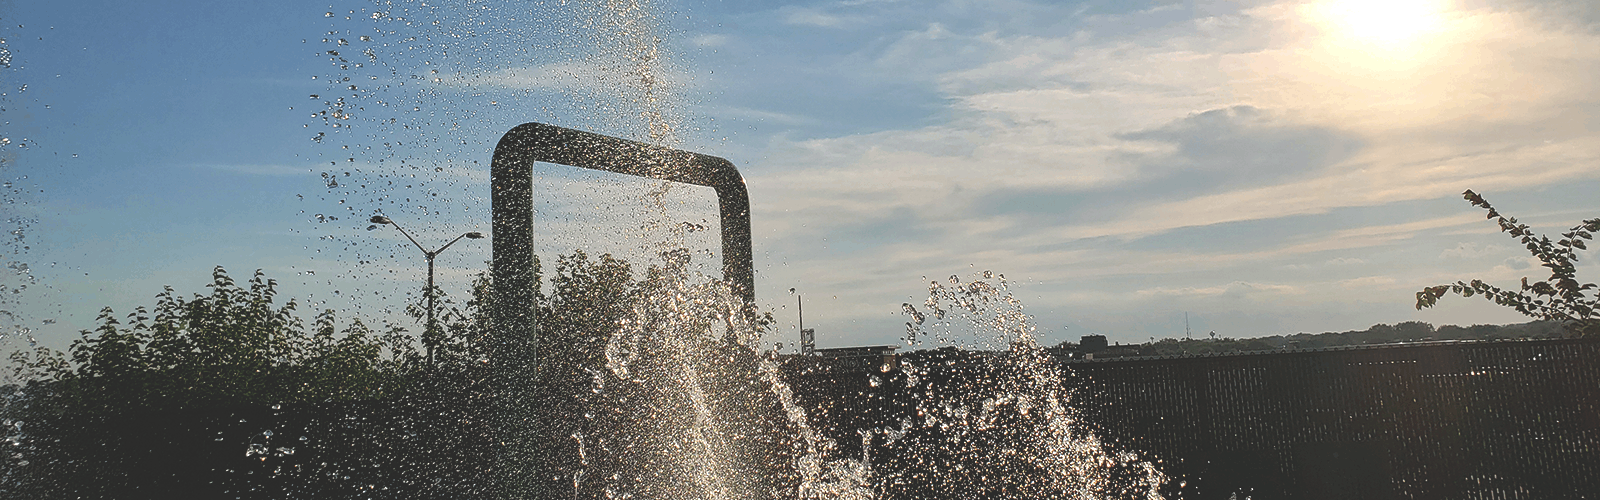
point(1559, 298)
point(236, 345)
point(233, 346)
point(184, 375)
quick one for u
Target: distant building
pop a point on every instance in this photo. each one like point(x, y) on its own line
point(808, 341)
point(1092, 347)
point(876, 357)
point(1091, 344)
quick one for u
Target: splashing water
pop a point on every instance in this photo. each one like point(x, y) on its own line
point(668, 398)
point(663, 394)
point(629, 27)
point(997, 402)
point(677, 403)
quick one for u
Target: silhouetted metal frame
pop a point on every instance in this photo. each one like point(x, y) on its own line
point(511, 175)
point(514, 311)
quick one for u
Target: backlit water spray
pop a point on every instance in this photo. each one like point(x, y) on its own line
point(682, 406)
point(1004, 406)
point(657, 388)
point(685, 407)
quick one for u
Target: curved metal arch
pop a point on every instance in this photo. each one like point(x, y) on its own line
point(511, 178)
point(515, 342)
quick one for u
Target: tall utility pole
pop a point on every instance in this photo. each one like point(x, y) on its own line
point(808, 338)
point(430, 337)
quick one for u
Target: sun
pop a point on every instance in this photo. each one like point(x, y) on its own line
point(1381, 23)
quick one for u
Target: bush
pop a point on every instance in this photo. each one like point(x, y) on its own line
point(1559, 298)
point(232, 347)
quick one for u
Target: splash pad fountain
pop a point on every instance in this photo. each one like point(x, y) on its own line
point(667, 398)
point(661, 393)
point(676, 410)
point(515, 283)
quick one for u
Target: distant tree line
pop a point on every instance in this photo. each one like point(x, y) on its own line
point(1561, 305)
point(1410, 331)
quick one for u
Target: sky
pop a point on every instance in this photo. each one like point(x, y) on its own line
point(1258, 168)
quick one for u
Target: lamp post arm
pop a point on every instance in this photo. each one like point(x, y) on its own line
point(408, 236)
point(447, 245)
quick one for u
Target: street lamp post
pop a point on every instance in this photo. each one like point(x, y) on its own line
point(430, 337)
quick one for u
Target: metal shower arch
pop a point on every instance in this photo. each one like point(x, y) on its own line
point(511, 178)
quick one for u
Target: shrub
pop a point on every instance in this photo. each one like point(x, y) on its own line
point(1559, 298)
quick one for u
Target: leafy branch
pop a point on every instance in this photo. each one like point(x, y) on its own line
point(1560, 298)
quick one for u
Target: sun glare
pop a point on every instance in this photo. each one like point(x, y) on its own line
point(1383, 64)
point(1388, 23)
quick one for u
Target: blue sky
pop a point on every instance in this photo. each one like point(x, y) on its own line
point(1266, 167)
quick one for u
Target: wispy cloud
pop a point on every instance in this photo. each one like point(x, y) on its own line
point(758, 115)
point(264, 170)
point(810, 16)
point(1236, 289)
point(709, 40)
point(1471, 251)
point(598, 74)
point(1131, 126)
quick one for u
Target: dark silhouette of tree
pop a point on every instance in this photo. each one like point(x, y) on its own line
point(231, 347)
point(1559, 298)
point(199, 378)
point(230, 391)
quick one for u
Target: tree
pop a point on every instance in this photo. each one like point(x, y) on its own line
point(213, 393)
point(1559, 298)
point(359, 406)
point(231, 347)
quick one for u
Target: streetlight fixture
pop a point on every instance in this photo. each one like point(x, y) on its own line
point(430, 337)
